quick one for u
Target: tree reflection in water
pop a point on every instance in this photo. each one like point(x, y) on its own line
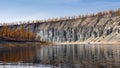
point(18, 54)
point(66, 56)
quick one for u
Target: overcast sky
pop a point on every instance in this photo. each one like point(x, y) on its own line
point(16, 10)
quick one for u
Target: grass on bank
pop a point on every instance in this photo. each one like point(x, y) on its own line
point(25, 44)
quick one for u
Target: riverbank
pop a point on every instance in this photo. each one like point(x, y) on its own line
point(10, 43)
point(61, 43)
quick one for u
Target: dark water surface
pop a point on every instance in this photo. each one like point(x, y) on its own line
point(61, 56)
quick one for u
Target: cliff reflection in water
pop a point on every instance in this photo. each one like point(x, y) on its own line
point(67, 56)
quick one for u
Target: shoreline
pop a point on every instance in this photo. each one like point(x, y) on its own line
point(60, 43)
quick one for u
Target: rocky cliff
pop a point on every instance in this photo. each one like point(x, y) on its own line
point(104, 27)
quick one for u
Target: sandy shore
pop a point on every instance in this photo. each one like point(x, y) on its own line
point(87, 42)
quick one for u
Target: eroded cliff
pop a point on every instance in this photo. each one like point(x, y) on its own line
point(104, 27)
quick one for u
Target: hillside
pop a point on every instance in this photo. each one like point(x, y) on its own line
point(103, 26)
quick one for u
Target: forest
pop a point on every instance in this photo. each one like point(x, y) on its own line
point(16, 34)
point(53, 20)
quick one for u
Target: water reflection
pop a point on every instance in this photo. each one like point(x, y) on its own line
point(66, 56)
point(18, 54)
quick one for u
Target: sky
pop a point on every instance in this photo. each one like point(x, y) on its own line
point(25, 10)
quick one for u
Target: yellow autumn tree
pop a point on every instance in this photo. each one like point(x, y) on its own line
point(118, 11)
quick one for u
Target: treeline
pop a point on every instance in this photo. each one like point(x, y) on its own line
point(117, 12)
point(16, 34)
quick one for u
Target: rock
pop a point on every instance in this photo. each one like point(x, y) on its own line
point(76, 29)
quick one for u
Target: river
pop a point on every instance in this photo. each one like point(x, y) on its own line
point(61, 56)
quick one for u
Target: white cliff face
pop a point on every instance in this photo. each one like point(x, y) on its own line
point(78, 29)
point(84, 29)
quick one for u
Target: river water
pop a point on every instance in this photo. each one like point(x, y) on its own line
point(61, 56)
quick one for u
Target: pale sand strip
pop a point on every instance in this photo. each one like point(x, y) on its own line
point(118, 43)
